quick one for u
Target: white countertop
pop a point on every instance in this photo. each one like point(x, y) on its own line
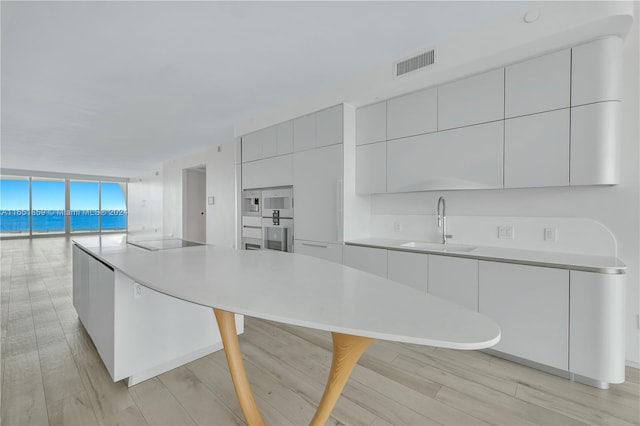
point(578, 262)
point(299, 290)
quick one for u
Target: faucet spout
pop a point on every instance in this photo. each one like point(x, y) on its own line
point(442, 219)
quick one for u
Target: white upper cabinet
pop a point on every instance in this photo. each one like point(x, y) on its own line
point(276, 171)
point(407, 268)
point(304, 132)
point(368, 259)
point(536, 150)
point(412, 114)
point(371, 124)
point(466, 158)
point(329, 126)
point(594, 144)
point(319, 129)
point(285, 137)
point(371, 168)
point(454, 279)
point(531, 305)
point(269, 139)
point(539, 84)
point(317, 185)
point(477, 99)
point(595, 71)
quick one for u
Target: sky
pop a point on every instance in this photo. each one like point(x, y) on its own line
point(49, 195)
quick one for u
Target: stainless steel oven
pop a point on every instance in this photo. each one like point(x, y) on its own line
point(278, 200)
point(277, 234)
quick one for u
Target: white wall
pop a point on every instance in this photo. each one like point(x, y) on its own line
point(221, 220)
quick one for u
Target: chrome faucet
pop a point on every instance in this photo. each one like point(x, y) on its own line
point(442, 220)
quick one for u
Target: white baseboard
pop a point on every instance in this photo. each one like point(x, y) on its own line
point(632, 364)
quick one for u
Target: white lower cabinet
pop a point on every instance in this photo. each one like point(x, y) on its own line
point(368, 259)
point(327, 251)
point(454, 279)
point(408, 268)
point(531, 306)
point(597, 334)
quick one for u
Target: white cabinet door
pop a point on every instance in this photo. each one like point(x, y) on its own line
point(317, 185)
point(304, 133)
point(102, 311)
point(454, 279)
point(538, 85)
point(597, 335)
point(466, 158)
point(371, 124)
point(81, 284)
point(596, 71)
point(474, 100)
point(269, 139)
point(252, 147)
point(329, 126)
point(594, 144)
point(284, 133)
point(412, 114)
point(368, 259)
point(327, 251)
point(276, 171)
point(531, 306)
point(536, 150)
point(371, 168)
point(408, 268)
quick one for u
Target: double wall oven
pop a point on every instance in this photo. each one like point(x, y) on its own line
point(267, 219)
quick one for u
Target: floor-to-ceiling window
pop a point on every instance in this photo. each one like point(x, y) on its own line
point(14, 206)
point(84, 205)
point(47, 206)
point(58, 205)
point(113, 206)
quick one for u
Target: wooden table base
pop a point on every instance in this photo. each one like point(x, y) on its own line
point(347, 349)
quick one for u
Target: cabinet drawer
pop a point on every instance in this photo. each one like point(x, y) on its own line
point(327, 251)
point(474, 100)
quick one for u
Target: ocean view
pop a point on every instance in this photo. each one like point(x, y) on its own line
point(17, 221)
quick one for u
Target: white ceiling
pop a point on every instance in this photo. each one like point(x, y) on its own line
point(114, 88)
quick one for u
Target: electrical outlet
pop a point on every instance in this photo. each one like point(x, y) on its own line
point(550, 234)
point(137, 291)
point(397, 227)
point(505, 232)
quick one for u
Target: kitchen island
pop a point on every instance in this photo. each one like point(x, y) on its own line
point(355, 306)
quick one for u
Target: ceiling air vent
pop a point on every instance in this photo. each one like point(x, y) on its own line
point(415, 63)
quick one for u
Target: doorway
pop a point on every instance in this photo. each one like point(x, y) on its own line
point(194, 206)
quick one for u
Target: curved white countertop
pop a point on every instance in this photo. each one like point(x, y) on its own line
point(299, 290)
point(577, 262)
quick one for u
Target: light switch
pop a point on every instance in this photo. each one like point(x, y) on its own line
point(550, 234)
point(210, 200)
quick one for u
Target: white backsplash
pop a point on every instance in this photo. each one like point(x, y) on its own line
point(573, 235)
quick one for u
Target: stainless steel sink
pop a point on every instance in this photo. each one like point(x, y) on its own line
point(439, 247)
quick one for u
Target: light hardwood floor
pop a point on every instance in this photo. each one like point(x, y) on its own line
point(51, 373)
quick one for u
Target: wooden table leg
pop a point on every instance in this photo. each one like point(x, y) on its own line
point(227, 325)
point(347, 349)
